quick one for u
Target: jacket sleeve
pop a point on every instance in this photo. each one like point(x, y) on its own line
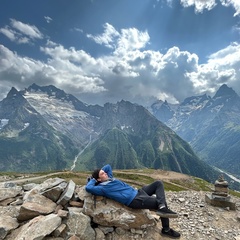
point(108, 169)
point(93, 189)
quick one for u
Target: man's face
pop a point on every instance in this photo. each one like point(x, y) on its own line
point(102, 176)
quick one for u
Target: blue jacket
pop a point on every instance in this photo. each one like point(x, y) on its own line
point(113, 188)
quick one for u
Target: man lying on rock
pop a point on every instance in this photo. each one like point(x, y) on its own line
point(104, 184)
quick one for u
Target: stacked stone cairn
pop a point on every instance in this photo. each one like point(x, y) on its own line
point(220, 197)
point(57, 209)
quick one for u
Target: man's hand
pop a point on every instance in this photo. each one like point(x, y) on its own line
point(89, 178)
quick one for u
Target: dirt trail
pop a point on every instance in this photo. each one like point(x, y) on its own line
point(27, 179)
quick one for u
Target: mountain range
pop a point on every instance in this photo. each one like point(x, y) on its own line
point(42, 128)
point(27, 142)
point(211, 125)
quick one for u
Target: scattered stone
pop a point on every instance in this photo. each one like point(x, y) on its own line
point(7, 224)
point(9, 192)
point(74, 237)
point(206, 222)
point(29, 186)
point(238, 216)
point(67, 194)
point(181, 199)
point(62, 213)
point(17, 202)
point(60, 230)
point(76, 204)
point(36, 205)
point(54, 193)
point(39, 227)
point(79, 224)
point(104, 219)
point(7, 201)
point(99, 234)
point(106, 230)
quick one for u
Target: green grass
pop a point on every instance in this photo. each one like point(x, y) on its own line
point(234, 193)
point(168, 186)
point(134, 177)
point(194, 183)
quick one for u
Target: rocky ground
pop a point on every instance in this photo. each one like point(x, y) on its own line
point(197, 220)
point(201, 221)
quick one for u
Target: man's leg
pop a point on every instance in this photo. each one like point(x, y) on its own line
point(144, 200)
point(158, 189)
point(165, 223)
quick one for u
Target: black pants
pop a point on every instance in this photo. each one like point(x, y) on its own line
point(145, 200)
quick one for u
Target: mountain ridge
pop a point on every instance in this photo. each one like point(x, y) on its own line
point(210, 126)
point(140, 135)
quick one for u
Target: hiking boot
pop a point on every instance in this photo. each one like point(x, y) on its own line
point(170, 233)
point(166, 213)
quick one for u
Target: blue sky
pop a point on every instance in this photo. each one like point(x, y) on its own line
point(108, 50)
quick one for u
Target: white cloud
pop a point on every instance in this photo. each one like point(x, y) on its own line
point(124, 41)
point(74, 68)
point(130, 40)
point(26, 29)
point(78, 30)
point(108, 36)
point(130, 72)
point(234, 3)
point(201, 5)
point(14, 36)
point(9, 33)
point(19, 71)
point(21, 33)
point(48, 19)
point(222, 67)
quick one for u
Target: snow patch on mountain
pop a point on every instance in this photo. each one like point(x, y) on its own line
point(127, 127)
point(3, 122)
point(25, 126)
point(61, 115)
point(63, 111)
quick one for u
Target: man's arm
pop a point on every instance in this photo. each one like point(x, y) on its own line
point(93, 189)
point(108, 169)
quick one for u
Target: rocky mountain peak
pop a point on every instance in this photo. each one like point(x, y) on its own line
point(156, 105)
point(12, 102)
point(210, 125)
point(13, 93)
point(225, 91)
point(50, 90)
point(195, 100)
point(34, 86)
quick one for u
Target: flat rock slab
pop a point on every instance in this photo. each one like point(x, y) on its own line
point(67, 194)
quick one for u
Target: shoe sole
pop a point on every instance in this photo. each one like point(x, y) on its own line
point(167, 215)
point(165, 235)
